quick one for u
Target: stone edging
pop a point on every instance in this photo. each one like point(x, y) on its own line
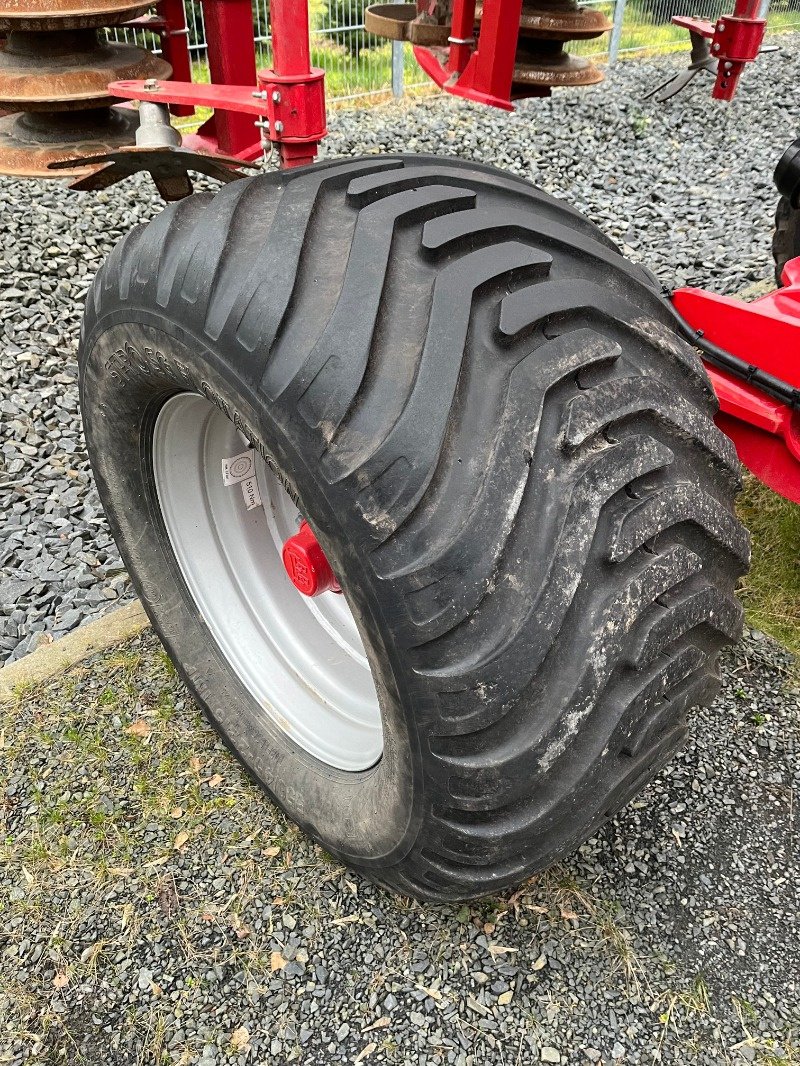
point(51, 659)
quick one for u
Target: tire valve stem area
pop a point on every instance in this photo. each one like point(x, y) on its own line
point(306, 564)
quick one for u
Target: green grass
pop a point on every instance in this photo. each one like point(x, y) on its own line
point(771, 591)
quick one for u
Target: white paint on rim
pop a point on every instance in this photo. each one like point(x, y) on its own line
point(301, 659)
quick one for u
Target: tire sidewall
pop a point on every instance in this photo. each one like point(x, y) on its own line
point(131, 363)
point(786, 236)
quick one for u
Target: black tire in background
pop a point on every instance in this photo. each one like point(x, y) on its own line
point(786, 238)
point(509, 458)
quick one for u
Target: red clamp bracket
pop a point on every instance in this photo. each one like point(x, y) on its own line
point(735, 41)
point(295, 113)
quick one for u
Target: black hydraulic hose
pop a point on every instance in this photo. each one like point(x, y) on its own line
point(718, 357)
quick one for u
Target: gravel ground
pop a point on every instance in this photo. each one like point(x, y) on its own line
point(160, 910)
point(685, 187)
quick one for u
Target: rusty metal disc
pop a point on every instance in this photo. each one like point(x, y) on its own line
point(66, 14)
point(563, 21)
point(559, 20)
point(168, 165)
point(544, 64)
point(29, 143)
point(403, 22)
point(63, 71)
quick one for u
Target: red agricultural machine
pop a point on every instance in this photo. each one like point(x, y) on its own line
point(424, 486)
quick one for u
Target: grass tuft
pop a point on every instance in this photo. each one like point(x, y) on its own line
point(771, 591)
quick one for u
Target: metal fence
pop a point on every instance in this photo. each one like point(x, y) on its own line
point(643, 26)
point(359, 66)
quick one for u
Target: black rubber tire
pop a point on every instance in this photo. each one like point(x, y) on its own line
point(786, 238)
point(509, 458)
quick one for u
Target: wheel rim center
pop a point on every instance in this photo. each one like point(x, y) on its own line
point(300, 657)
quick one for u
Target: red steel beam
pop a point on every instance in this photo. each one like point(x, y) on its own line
point(497, 48)
point(239, 98)
point(175, 45)
point(291, 49)
point(485, 72)
point(294, 90)
point(462, 35)
point(231, 61)
point(290, 95)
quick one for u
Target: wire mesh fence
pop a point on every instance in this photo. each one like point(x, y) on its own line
point(357, 64)
point(360, 66)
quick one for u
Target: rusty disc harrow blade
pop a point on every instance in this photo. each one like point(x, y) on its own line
point(66, 14)
point(559, 20)
point(168, 166)
point(61, 71)
point(553, 68)
point(30, 142)
point(562, 20)
point(403, 22)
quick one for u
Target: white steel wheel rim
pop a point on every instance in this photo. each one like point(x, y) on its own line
point(301, 659)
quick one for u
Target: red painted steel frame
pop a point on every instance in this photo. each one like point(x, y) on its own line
point(485, 73)
point(175, 44)
point(735, 41)
point(764, 333)
point(295, 91)
point(231, 61)
point(287, 101)
point(462, 29)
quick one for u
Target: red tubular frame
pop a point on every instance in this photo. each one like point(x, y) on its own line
point(235, 63)
point(175, 45)
point(462, 40)
point(287, 101)
point(735, 41)
point(295, 91)
point(484, 72)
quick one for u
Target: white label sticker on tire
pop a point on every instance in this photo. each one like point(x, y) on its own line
point(238, 468)
point(252, 497)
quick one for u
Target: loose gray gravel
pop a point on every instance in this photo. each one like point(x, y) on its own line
point(157, 909)
point(686, 187)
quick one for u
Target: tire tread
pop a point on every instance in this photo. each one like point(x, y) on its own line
point(526, 454)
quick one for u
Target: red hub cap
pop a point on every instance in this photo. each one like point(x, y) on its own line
point(305, 562)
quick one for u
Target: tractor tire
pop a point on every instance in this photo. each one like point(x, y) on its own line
point(786, 238)
point(509, 459)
